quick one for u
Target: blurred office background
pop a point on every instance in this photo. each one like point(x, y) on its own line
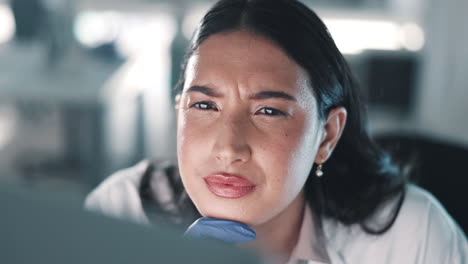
point(86, 86)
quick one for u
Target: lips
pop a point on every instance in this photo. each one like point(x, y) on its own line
point(229, 186)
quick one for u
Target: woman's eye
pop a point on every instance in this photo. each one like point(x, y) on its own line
point(204, 106)
point(271, 112)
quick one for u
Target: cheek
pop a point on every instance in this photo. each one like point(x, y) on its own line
point(286, 155)
point(190, 141)
point(194, 145)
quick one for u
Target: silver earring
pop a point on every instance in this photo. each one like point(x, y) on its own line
point(319, 171)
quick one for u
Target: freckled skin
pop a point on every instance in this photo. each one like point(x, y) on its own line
point(276, 153)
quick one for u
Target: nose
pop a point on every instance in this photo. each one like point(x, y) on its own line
point(231, 145)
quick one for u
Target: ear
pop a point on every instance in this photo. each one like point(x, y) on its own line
point(332, 131)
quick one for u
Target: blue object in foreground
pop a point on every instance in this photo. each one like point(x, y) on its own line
point(219, 229)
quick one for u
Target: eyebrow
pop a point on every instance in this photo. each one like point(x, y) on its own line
point(272, 94)
point(204, 90)
point(257, 96)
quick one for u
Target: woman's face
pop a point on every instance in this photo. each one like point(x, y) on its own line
point(247, 128)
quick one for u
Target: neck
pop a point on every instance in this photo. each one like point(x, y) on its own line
point(279, 236)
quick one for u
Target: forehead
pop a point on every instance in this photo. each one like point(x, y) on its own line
point(246, 58)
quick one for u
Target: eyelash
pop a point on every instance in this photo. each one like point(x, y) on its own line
point(210, 106)
point(274, 112)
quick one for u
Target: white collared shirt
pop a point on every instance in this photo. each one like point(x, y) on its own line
point(423, 232)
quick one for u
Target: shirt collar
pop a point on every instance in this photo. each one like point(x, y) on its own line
point(311, 243)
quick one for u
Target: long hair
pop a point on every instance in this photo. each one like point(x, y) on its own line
point(359, 176)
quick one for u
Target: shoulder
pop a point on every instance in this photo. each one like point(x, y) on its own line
point(421, 212)
point(149, 192)
point(118, 195)
point(423, 232)
point(433, 232)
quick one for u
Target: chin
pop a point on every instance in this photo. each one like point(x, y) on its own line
point(232, 209)
point(232, 216)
